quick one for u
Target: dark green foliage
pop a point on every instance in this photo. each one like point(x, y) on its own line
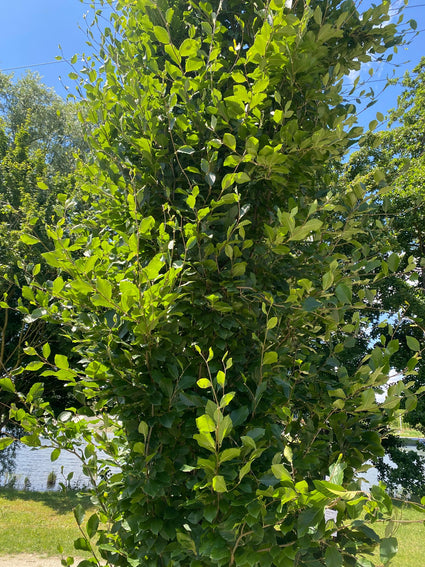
point(399, 154)
point(38, 137)
point(408, 474)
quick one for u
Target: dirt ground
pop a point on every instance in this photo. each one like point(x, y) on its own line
point(28, 560)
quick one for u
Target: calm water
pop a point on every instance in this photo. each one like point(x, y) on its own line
point(35, 465)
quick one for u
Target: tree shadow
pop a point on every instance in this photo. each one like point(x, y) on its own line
point(61, 502)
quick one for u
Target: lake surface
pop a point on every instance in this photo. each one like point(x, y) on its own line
point(34, 464)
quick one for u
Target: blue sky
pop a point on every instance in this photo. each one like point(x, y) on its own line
point(406, 59)
point(31, 31)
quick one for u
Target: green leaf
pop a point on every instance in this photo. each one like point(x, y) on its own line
point(230, 141)
point(271, 323)
point(29, 239)
point(309, 520)
point(146, 225)
point(7, 385)
point(248, 441)
point(245, 470)
point(31, 440)
point(139, 448)
point(327, 280)
point(311, 304)
point(161, 34)
point(204, 383)
point(270, 357)
point(189, 47)
point(413, 343)
point(238, 269)
point(205, 424)
point(191, 201)
point(239, 415)
point(333, 557)
point(104, 288)
point(343, 293)
point(300, 232)
point(229, 454)
point(186, 542)
point(206, 441)
point(328, 488)
point(30, 351)
point(143, 428)
point(227, 181)
point(5, 442)
point(226, 399)
point(46, 350)
point(221, 378)
point(65, 416)
point(35, 365)
point(173, 53)
point(388, 549)
point(55, 454)
point(35, 392)
point(287, 452)
point(92, 525)
point(36, 314)
point(368, 401)
point(219, 484)
point(80, 543)
point(393, 262)
point(61, 361)
point(242, 177)
point(281, 473)
point(224, 428)
point(186, 150)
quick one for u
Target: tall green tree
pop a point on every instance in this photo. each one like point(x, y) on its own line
point(40, 136)
point(213, 286)
point(51, 123)
point(398, 152)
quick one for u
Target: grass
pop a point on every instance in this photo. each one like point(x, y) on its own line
point(37, 522)
point(410, 536)
point(407, 432)
point(401, 429)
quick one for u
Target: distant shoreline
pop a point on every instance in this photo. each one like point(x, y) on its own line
point(411, 441)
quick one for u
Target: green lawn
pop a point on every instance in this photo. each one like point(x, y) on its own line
point(407, 432)
point(37, 522)
point(411, 539)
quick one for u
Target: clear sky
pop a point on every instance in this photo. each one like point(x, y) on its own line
point(31, 31)
point(406, 59)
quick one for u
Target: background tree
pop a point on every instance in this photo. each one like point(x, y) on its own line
point(209, 283)
point(398, 152)
point(51, 123)
point(39, 138)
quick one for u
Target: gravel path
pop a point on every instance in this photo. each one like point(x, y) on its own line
point(29, 560)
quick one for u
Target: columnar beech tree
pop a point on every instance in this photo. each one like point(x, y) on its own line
point(214, 284)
